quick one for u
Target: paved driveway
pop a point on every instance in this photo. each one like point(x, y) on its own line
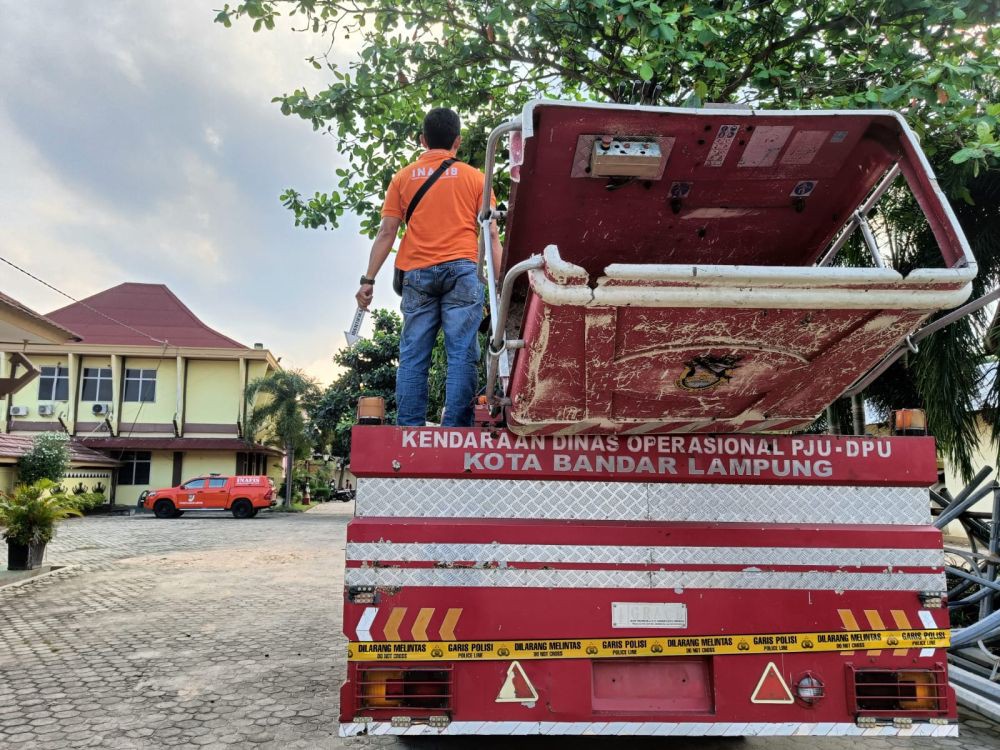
point(210, 632)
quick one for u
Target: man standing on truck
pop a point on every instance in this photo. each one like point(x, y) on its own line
point(438, 197)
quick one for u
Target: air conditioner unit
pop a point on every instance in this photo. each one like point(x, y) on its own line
point(19, 411)
point(46, 410)
point(101, 409)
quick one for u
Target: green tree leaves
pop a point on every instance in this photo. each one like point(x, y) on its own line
point(935, 61)
point(277, 409)
point(47, 459)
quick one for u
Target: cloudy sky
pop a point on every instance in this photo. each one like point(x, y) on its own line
point(138, 142)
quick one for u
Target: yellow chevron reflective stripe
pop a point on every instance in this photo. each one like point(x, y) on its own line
point(448, 626)
point(847, 617)
point(875, 623)
point(610, 648)
point(392, 624)
point(903, 623)
point(421, 623)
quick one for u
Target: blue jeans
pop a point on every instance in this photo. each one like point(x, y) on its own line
point(449, 296)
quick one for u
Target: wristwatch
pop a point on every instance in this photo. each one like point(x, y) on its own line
point(366, 280)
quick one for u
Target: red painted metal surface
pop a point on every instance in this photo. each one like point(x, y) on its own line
point(697, 689)
point(664, 686)
point(735, 213)
point(740, 459)
point(595, 370)
point(525, 613)
point(566, 692)
point(691, 302)
point(634, 534)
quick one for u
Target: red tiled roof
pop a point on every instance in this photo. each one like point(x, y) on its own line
point(15, 446)
point(151, 308)
point(27, 312)
point(176, 444)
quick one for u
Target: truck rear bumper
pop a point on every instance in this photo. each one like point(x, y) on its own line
point(651, 728)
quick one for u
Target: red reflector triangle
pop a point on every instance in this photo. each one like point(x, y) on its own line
point(771, 688)
point(517, 688)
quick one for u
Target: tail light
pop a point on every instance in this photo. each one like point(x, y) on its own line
point(394, 689)
point(909, 422)
point(810, 689)
point(900, 693)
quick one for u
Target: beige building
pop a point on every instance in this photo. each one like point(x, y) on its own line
point(20, 326)
point(147, 384)
point(89, 470)
point(985, 454)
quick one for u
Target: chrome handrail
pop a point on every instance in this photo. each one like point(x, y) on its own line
point(486, 216)
point(860, 219)
point(498, 345)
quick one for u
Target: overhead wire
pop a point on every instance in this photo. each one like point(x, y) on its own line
point(92, 309)
point(110, 318)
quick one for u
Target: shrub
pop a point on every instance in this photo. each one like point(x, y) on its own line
point(47, 459)
point(86, 501)
point(29, 513)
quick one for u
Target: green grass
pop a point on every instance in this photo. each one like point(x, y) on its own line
point(296, 508)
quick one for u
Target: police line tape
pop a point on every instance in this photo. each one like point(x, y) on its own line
point(611, 648)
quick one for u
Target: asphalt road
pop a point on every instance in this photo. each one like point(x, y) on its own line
point(209, 632)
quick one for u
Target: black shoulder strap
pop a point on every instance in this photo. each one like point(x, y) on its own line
point(427, 186)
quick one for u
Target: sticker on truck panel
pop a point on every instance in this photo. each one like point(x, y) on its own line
point(706, 372)
point(517, 688)
point(649, 615)
point(772, 688)
point(613, 648)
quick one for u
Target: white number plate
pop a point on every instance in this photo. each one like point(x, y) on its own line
point(648, 615)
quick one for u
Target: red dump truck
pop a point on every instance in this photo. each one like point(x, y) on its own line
point(637, 541)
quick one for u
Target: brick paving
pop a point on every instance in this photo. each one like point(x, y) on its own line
point(207, 632)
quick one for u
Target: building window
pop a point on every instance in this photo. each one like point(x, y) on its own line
point(252, 464)
point(96, 384)
point(53, 384)
point(135, 467)
point(140, 385)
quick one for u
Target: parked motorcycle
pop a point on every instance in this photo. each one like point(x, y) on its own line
point(344, 495)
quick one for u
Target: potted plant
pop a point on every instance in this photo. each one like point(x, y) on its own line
point(28, 516)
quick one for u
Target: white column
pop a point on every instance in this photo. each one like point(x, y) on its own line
point(73, 405)
point(181, 376)
point(117, 388)
point(4, 371)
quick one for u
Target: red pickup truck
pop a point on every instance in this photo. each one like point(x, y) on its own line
point(243, 495)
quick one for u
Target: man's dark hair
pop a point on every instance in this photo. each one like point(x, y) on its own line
point(441, 127)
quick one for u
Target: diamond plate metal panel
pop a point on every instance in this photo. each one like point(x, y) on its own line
point(634, 501)
point(685, 579)
point(813, 556)
point(811, 580)
point(499, 578)
point(759, 503)
point(641, 555)
point(500, 553)
point(501, 498)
